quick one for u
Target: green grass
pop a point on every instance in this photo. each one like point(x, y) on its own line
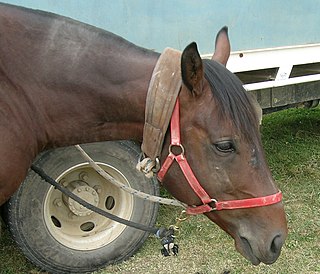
point(11, 260)
point(291, 140)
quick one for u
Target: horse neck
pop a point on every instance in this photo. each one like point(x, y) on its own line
point(106, 104)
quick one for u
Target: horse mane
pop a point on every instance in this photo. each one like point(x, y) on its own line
point(233, 101)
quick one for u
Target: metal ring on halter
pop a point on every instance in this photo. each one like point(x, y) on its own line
point(180, 146)
point(213, 201)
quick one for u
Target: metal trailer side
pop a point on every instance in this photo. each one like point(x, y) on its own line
point(276, 44)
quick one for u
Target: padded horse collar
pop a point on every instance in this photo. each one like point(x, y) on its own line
point(162, 93)
point(161, 106)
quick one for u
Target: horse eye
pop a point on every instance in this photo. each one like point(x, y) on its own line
point(225, 146)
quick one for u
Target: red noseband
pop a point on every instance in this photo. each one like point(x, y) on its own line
point(209, 204)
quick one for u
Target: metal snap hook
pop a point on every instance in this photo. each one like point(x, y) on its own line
point(157, 166)
point(182, 217)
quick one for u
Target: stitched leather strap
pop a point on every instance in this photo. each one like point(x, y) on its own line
point(163, 90)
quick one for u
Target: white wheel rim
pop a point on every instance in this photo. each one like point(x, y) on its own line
point(81, 229)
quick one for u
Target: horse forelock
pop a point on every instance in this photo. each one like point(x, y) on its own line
point(233, 102)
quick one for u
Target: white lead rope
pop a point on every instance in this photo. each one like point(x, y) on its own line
point(126, 188)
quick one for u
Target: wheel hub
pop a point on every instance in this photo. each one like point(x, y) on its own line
point(85, 192)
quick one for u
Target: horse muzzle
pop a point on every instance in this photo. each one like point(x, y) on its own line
point(257, 251)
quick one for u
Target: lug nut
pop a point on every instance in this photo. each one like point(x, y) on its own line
point(58, 202)
point(83, 176)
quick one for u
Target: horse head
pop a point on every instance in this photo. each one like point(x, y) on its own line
point(220, 135)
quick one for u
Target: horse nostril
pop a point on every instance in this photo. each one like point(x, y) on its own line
point(246, 244)
point(276, 244)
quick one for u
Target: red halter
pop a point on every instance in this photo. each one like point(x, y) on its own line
point(195, 185)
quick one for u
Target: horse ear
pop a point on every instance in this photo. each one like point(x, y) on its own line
point(222, 47)
point(192, 69)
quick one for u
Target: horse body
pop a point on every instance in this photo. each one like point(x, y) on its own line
point(64, 83)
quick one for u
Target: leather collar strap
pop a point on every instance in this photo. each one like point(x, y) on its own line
point(163, 90)
point(209, 204)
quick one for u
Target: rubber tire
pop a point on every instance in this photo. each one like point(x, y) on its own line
point(24, 211)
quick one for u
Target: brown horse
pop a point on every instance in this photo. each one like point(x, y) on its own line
point(63, 83)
